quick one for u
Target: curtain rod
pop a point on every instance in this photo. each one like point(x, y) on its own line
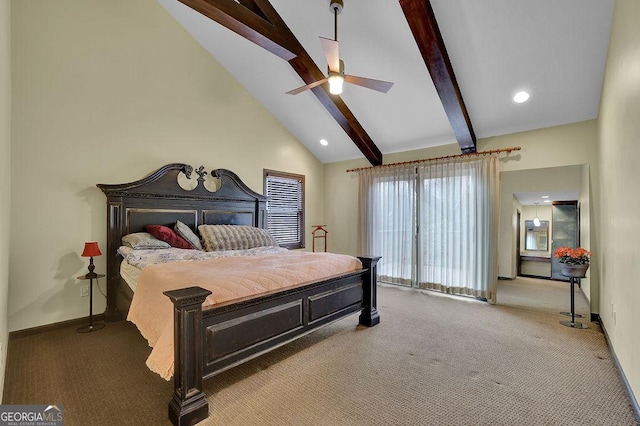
point(426, 160)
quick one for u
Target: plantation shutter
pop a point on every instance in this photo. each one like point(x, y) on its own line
point(285, 208)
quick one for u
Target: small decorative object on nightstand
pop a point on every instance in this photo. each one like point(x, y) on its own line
point(91, 249)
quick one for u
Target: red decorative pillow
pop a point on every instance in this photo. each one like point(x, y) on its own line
point(167, 235)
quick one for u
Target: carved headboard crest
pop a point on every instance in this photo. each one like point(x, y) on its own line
point(164, 183)
point(201, 174)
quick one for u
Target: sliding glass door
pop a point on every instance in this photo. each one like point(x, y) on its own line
point(390, 211)
point(434, 225)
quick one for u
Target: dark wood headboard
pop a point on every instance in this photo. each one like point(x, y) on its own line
point(159, 199)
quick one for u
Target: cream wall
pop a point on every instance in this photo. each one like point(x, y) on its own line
point(619, 150)
point(106, 92)
point(5, 174)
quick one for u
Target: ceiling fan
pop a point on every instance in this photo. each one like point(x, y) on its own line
point(336, 76)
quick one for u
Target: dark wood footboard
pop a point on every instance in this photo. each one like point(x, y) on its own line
point(211, 341)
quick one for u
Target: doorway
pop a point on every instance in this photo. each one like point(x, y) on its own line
point(520, 191)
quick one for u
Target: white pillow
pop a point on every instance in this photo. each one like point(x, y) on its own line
point(143, 240)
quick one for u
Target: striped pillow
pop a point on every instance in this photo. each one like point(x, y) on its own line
point(234, 237)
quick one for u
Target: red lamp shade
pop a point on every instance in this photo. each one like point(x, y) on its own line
point(91, 249)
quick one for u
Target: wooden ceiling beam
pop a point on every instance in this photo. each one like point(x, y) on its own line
point(423, 24)
point(249, 23)
point(259, 22)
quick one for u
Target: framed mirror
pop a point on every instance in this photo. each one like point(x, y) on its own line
point(536, 237)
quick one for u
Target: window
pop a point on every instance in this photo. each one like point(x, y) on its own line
point(285, 207)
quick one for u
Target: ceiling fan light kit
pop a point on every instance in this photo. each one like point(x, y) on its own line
point(335, 83)
point(336, 76)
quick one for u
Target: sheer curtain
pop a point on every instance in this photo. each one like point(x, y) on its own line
point(458, 226)
point(435, 224)
point(387, 221)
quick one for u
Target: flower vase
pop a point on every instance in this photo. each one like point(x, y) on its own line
point(575, 271)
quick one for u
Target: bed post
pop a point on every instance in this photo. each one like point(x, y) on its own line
point(189, 404)
point(369, 315)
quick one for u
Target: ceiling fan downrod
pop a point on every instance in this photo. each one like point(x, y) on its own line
point(336, 7)
point(335, 73)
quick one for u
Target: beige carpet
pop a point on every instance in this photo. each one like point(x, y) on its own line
point(433, 360)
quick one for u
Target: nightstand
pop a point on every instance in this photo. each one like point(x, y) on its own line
point(91, 327)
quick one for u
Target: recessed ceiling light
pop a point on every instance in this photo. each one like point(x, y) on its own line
point(521, 97)
point(545, 196)
point(547, 201)
point(324, 142)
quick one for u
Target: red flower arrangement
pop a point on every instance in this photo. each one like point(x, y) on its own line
point(571, 256)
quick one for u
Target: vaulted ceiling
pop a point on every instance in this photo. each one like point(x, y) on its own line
point(554, 50)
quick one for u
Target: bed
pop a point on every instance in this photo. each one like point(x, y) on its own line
point(209, 340)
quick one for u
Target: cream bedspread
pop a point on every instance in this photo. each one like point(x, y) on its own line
point(228, 278)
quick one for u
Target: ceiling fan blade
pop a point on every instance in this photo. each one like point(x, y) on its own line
point(369, 83)
point(332, 53)
point(307, 87)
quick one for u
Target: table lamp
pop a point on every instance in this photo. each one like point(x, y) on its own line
point(91, 249)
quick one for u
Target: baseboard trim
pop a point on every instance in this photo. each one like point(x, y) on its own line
point(540, 277)
point(634, 402)
point(55, 326)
